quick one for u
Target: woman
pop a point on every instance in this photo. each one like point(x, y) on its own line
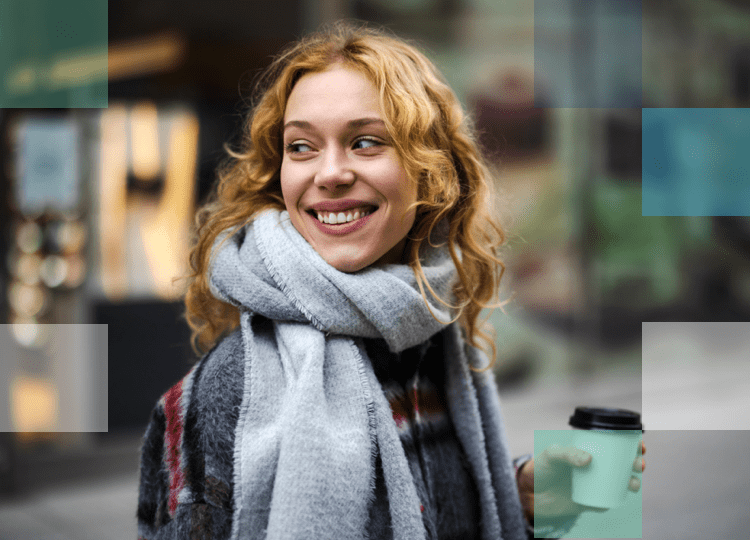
point(336, 400)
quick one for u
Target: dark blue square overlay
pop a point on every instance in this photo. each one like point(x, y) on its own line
point(588, 53)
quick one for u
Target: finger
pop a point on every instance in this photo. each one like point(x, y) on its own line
point(639, 465)
point(580, 458)
point(595, 509)
point(574, 456)
point(635, 484)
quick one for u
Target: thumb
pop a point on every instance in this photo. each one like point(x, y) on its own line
point(553, 465)
point(569, 455)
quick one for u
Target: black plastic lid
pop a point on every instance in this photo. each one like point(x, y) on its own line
point(603, 418)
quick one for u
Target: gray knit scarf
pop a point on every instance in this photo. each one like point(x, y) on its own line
point(314, 416)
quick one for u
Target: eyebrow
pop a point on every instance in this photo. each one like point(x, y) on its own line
point(359, 122)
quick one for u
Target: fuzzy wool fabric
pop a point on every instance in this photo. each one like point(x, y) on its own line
point(188, 446)
point(187, 467)
point(313, 426)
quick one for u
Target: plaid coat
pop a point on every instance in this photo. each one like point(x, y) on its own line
point(187, 458)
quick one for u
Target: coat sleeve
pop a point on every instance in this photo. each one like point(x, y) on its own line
point(517, 464)
point(154, 493)
point(177, 499)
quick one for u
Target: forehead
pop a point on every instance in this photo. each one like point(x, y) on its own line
point(336, 91)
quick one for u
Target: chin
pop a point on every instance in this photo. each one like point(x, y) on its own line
point(342, 263)
point(349, 267)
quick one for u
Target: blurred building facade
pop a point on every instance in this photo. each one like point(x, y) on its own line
point(98, 205)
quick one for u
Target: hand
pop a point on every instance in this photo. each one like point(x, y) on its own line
point(552, 472)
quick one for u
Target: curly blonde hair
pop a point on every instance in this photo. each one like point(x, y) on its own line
point(433, 137)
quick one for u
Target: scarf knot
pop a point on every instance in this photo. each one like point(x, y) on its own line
point(313, 416)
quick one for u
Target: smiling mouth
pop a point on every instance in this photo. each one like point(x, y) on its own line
point(348, 217)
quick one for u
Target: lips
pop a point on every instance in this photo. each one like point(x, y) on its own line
point(339, 205)
point(361, 208)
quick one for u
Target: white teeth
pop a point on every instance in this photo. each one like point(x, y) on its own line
point(333, 219)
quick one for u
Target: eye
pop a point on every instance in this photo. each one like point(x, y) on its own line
point(296, 148)
point(370, 142)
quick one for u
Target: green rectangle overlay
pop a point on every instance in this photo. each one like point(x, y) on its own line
point(53, 54)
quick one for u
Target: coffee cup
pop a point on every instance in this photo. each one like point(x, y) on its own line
point(612, 437)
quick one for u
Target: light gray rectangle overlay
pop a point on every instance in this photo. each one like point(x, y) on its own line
point(696, 375)
point(53, 377)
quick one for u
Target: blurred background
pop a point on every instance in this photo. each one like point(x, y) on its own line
point(97, 207)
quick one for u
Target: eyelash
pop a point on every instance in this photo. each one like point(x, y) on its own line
point(288, 147)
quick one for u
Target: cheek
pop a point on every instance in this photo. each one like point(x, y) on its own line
point(283, 182)
point(397, 188)
point(401, 192)
point(289, 188)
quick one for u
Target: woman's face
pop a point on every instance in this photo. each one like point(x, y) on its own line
point(336, 148)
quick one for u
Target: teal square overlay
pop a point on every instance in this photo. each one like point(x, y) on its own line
point(696, 162)
point(624, 521)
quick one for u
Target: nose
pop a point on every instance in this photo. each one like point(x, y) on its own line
point(334, 169)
